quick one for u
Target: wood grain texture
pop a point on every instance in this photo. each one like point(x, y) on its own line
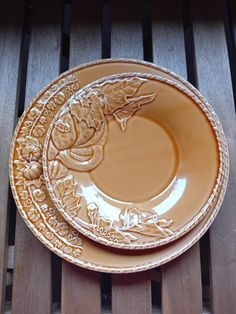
point(85, 38)
point(126, 29)
point(214, 81)
point(10, 43)
point(131, 293)
point(32, 264)
point(181, 278)
point(81, 291)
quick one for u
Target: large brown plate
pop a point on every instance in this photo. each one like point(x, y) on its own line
point(32, 197)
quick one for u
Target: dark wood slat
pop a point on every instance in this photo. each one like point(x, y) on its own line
point(126, 30)
point(32, 264)
point(10, 43)
point(81, 291)
point(131, 293)
point(181, 278)
point(214, 81)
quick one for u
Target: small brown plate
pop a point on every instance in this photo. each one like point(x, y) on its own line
point(132, 160)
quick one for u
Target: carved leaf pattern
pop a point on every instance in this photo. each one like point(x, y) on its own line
point(133, 220)
point(65, 191)
point(116, 94)
point(56, 169)
point(124, 114)
point(91, 113)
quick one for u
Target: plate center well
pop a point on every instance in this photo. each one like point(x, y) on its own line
point(139, 163)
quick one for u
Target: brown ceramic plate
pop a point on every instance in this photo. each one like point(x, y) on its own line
point(132, 160)
point(32, 197)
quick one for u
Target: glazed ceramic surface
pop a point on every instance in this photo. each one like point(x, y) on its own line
point(132, 160)
point(32, 197)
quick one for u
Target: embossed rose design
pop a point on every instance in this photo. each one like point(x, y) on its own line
point(29, 148)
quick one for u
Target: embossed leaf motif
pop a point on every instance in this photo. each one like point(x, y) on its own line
point(134, 220)
point(96, 116)
point(116, 94)
point(65, 191)
point(124, 114)
point(91, 113)
point(56, 169)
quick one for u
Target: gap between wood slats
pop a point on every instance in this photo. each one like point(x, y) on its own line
point(106, 29)
point(147, 30)
point(24, 54)
point(229, 18)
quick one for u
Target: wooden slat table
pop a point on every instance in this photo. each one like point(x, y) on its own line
point(39, 40)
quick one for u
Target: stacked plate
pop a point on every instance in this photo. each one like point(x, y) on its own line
point(119, 166)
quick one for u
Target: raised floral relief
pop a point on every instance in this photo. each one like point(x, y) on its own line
point(66, 192)
point(76, 143)
point(79, 134)
point(29, 179)
point(29, 164)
